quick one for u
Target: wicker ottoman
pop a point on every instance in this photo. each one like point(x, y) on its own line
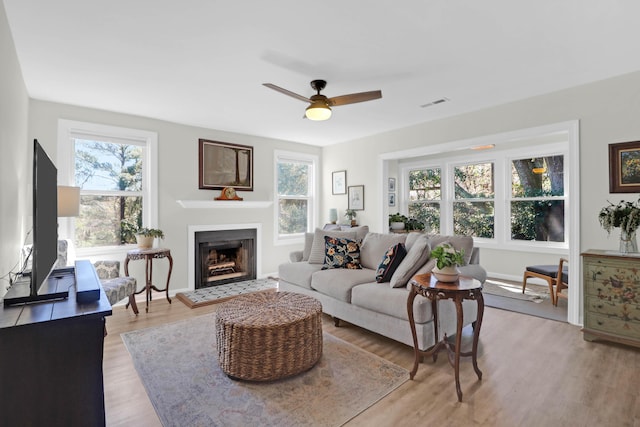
point(264, 336)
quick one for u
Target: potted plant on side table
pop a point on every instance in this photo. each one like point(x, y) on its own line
point(397, 221)
point(145, 237)
point(447, 260)
point(351, 215)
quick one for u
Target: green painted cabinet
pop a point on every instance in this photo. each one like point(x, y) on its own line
point(611, 296)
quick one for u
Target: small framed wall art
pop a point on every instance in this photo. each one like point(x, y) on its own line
point(392, 199)
point(222, 165)
point(392, 185)
point(624, 167)
point(339, 182)
point(356, 197)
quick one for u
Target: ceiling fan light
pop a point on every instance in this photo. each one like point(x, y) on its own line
point(318, 111)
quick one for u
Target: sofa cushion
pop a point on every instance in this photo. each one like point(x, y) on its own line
point(416, 258)
point(337, 283)
point(308, 243)
point(341, 253)
point(316, 256)
point(390, 301)
point(390, 262)
point(375, 245)
point(298, 273)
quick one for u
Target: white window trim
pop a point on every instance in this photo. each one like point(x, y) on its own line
point(280, 155)
point(65, 165)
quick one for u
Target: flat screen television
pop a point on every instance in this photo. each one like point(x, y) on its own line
point(44, 252)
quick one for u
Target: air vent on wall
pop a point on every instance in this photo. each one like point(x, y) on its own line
point(436, 102)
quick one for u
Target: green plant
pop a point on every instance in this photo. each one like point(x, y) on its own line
point(350, 213)
point(413, 224)
point(625, 215)
point(150, 232)
point(447, 256)
point(397, 217)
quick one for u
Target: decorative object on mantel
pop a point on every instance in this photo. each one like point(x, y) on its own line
point(624, 167)
point(223, 165)
point(222, 204)
point(228, 193)
point(145, 237)
point(447, 260)
point(626, 216)
point(351, 215)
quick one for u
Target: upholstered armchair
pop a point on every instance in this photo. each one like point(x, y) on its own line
point(116, 287)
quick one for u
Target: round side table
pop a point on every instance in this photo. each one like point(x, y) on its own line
point(464, 288)
point(149, 255)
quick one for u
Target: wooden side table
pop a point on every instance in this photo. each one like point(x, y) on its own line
point(465, 288)
point(149, 255)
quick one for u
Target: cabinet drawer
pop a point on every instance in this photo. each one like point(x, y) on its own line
point(613, 309)
point(612, 325)
point(612, 278)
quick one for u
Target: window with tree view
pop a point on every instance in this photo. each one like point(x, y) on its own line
point(538, 199)
point(295, 194)
point(425, 195)
point(111, 198)
point(474, 204)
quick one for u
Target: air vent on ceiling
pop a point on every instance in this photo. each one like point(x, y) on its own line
point(436, 102)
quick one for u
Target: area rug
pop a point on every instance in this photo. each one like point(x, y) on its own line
point(179, 369)
point(220, 293)
point(534, 293)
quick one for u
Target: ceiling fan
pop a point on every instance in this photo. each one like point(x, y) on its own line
point(320, 108)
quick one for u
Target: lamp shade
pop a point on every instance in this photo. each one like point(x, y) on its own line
point(333, 215)
point(68, 201)
point(318, 110)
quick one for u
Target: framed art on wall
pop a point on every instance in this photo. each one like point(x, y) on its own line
point(356, 197)
point(392, 185)
point(624, 167)
point(222, 164)
point(392, 199)
point(339, 182)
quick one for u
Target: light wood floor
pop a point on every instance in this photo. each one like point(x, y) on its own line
point(537, 372)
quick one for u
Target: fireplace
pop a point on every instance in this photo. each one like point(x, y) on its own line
point(224, 256)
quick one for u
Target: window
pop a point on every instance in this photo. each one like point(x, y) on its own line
point(512, 196)
point(295, 188)
point(425, 195)
point(473, 206)
point(114, 169)
point(537, 199)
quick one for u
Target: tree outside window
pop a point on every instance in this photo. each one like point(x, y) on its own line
point(425, 195)
point(474, 203)
point(111, 200)
point(294, 182)
point(537, 199)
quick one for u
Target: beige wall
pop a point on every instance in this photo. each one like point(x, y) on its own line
point(15, 168)
point(607, 111)
point(178, 178)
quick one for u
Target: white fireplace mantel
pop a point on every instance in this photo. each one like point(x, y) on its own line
point(224, 204)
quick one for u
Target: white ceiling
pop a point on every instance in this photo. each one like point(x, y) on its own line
point(203, 62)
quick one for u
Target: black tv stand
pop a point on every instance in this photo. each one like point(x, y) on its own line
point(51, 360)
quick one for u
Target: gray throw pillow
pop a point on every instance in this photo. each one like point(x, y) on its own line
point(316, 256)
point(375, 245)
point(415, 258)
point(308, 243)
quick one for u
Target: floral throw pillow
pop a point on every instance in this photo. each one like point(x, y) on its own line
point(390, 262)
point(341, 252)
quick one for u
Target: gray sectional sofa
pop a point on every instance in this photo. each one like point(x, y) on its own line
point(353, 295)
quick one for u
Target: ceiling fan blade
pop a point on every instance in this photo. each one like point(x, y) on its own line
point(286, 92)
point(353, 98)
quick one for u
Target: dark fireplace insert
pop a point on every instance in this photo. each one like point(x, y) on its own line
point(224, 256)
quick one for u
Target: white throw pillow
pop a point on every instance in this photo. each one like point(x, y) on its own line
point(415, 258)
point(316, 256)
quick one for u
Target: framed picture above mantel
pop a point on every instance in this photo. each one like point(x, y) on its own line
point(222, 165)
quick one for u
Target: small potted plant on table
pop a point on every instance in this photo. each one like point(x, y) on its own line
point(145, 237)
point(397, 221)
point(447, 260)
point(351, 215)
